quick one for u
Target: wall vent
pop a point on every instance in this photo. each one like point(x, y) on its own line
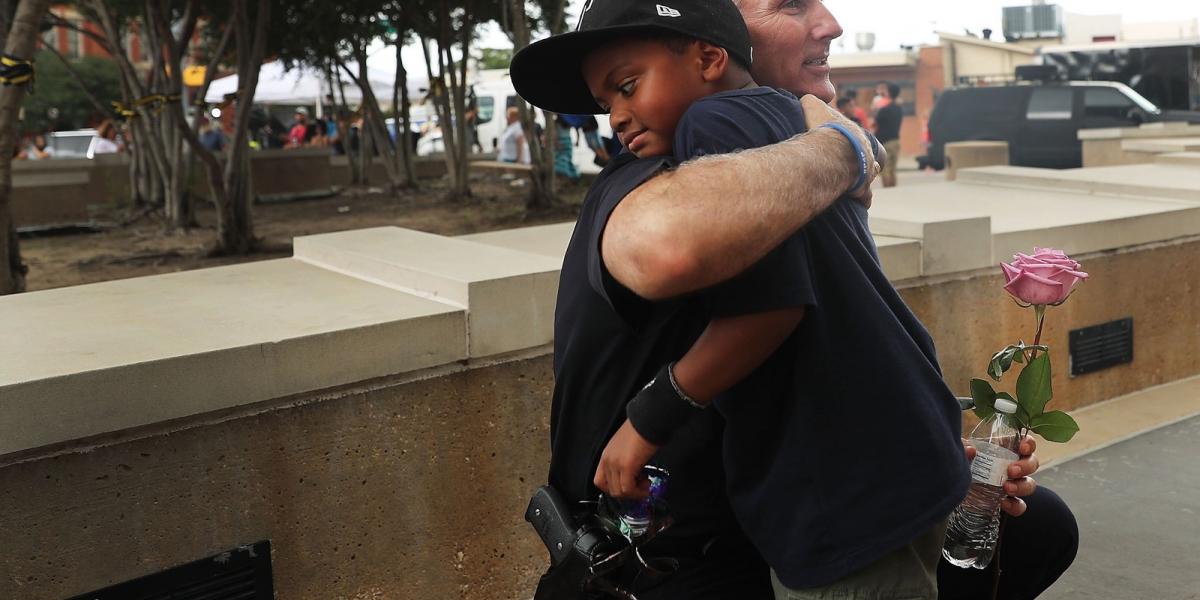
point(243, 573)
point(1101, 346)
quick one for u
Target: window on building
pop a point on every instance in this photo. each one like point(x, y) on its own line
point(50, 38)
point(1050, 104)
point(130, 47)
point(75, 41)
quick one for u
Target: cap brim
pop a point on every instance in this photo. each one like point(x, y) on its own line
point(549, 73)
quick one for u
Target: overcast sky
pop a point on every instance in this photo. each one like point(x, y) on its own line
point(904, 23)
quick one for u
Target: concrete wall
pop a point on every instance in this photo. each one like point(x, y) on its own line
point(1157, 286)
point(410, 491)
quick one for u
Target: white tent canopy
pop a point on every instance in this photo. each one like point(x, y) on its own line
point(306, 85)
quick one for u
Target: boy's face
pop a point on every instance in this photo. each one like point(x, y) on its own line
point(646, 88)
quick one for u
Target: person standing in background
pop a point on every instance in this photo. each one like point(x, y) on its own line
point(888, 118)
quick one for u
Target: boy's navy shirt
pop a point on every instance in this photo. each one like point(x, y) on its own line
point(844, 445)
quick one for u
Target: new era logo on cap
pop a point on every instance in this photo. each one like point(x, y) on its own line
point(667, 11)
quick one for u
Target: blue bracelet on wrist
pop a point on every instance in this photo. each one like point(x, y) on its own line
point(858, 149)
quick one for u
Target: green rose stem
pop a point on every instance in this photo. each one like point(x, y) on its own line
point(1039, 311)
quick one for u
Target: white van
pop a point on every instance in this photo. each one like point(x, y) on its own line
point(494, 96)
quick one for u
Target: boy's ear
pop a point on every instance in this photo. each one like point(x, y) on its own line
point(714, 60)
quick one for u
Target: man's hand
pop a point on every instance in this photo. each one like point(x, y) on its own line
point(1019, 481)
point(817, 113)
point(621, 464)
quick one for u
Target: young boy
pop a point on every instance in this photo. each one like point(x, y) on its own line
point(675, 81)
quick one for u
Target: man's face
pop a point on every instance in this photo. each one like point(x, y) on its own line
point(791, 44)
point(646, 88)
point(300, 118)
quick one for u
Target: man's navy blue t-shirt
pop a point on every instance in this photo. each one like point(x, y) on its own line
point(845, 444)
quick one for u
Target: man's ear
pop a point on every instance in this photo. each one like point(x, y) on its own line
point(714, 60)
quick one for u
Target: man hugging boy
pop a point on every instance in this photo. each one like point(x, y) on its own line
point(841, 451)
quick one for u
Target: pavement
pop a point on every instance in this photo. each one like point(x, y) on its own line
point(1132, 478)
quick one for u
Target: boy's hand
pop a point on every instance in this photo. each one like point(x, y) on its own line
point(1019, 481)
point(817, 113)
point(621, 464)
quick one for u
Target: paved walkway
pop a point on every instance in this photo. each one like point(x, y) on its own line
point(1138, 507)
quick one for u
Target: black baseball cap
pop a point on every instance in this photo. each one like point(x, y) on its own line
point(549, 73)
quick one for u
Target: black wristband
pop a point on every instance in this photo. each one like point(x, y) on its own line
point(660, 408)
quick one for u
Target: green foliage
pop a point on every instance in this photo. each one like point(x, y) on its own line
point(495, 58)
point(56, 88)
point(985, 398)
point(1003, 360)
point(1056, 426)
point(1033, 385)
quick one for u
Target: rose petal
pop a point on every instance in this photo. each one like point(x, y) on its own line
point(1034, 289)
point(1010, 272)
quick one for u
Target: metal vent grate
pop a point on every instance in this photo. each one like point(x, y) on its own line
point(1101, 346)
point(243, 573)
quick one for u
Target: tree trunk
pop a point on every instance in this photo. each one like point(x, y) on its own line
point(19, 42)
point(235, 227)
point(373, 120)
point(542, 194)
point(404, 120)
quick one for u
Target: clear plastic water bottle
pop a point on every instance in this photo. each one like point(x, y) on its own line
point(974, 525)
point(637, 515)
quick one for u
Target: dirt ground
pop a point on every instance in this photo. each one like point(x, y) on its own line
point(143, 247)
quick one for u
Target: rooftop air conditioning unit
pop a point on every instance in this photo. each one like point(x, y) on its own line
point(1033, 22)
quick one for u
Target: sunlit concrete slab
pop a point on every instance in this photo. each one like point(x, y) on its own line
point(950, 242)
point(509, 295)
point(1022, 218)
point(899, 257)
point(1149, 130)
point(1151, 180)
point(1162, 145)
point(546, 240)
point(1185, 159)
point(92, 359)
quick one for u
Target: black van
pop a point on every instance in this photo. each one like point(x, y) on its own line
point(1040, 122)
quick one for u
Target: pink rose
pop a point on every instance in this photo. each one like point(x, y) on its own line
point(1047, 277)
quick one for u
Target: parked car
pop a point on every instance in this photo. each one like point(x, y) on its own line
point(72, 144)
point(1040, 121)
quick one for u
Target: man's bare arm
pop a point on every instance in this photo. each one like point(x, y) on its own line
point(711, 218)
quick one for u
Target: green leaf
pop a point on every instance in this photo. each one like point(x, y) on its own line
point(985, 398)
point(1055, 426)
point(1002, 361)
point(1019, 357)
point(1033, 386)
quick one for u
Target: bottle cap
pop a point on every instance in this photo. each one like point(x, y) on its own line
point(1005, 406)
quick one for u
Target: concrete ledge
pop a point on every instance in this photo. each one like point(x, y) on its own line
point(100, 358)
point(1149, 130)
point(1162, 145)
point(1189, 159)
point(899, 257)
point(1149, 180)
point(959, 240)
point(547, 240)
point(509, 295)
point(964, 155)
point(49, 199)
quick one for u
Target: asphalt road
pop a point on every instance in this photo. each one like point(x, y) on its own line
point(1138, 507)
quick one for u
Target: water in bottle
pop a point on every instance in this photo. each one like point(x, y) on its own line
point(974, 525)
point(637, 515)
